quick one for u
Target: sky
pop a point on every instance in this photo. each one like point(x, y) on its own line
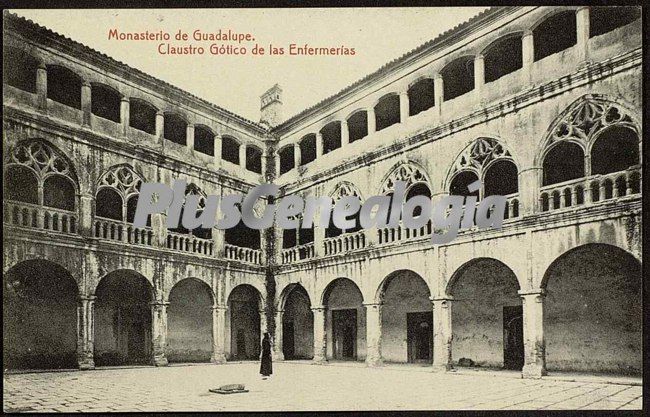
point(378, 36)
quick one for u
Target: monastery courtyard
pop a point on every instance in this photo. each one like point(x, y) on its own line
point(300, 386)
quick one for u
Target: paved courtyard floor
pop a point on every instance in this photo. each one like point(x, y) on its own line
point(302, 386)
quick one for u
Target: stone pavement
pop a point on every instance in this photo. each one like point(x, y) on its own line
point(299, 387)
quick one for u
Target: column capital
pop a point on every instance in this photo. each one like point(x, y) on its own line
point(42, 66)
point(404, 93)
point(318, 309)
point(533, 291)
point(85, 84)
point(219, 307)
point(159, 303)
point(437, 75)
point(87, 297)
point(125, 99)
point(344, 121)
point(160, 113)
point(527, 32)
point(372, 305)
point(441, 298)
point(479, 57)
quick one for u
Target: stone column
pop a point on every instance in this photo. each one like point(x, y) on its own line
point(86, 208)
point(528, 55)
point(41, 86)
point(278, 355)
point(320, 341)
point(372, 123)
point(125, 116)
point(86, 104)
point(296, 155)
point(442, 333)
point(190, 136)
point(319, 145)
point(217, 149)
point(160, 126)
point(373, 334)
point(534, 344)
point(479, 76)
point(218, 334)
point(277, 163)
point(438, 90)
point(319, 237)
point(159, 332)
point(403, 106)
point(529, 181)
point(242, 155)
point(582, 29)
point(345, 133)
point(86, 332)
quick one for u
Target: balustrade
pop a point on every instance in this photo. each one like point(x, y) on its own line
point(40, 217)
point(248, 255)
point(297, 253)
point(346, 242)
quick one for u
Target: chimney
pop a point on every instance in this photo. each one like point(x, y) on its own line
point(271, 106)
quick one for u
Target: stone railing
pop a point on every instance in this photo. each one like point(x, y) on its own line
point(590, 190)
point(346, 242)
point(512, 207)
point(189, 243)
point(297, 253)
point(236, 253)
point(40, 217)
point(116, 230)
point(401, 233)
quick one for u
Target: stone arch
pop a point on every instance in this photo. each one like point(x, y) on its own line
point(409, 172)
point(142, 115)
point(230, 148)
point(345, 189)
point(121, 180)
point(284, 294)
point(297, 327)
point(64, 85)
point(43, 158)
point(345, 320)
point(105, 101)
point(548, 39)
point(503, 56)
point(243, 322)
point(327, 289)
point(20, 67)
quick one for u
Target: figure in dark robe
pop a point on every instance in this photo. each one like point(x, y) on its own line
point(266, 367)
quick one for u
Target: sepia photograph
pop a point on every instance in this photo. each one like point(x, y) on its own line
point(340, 209)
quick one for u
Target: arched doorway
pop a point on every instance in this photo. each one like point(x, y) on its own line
point(244, 306)
point(345, 322)
point(189, 322)
point(487, 317)
point(123, 319)
point(39, 306)
point(593, 317)
point(406, 319)
point(297, 325)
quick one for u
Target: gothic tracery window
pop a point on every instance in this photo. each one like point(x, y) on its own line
point(117, 194)
point(343, 189)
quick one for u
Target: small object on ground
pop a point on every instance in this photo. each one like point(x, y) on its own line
point(229, 389)
point(465, 362)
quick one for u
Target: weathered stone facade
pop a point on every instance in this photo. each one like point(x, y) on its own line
point(555, 126)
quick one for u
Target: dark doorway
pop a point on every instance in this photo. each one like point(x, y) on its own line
point(344, 329)
point(419, 329)
point(288, 340)
point(241, 346)
point(513, 337)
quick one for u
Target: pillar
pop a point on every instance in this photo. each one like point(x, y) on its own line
point(159, 332)
point(320, 335)
point(319, 145)
point(277, 163)
point(582, 29)
point(528, 54)
point(345, 133)
point(278, 355)
point(86, 104)
point(86, 209)
point(373, 334)
point(529, 181)
point(218, 334)
point(479, 76)
point(372, 123)
point(403, 106)
point(41, 86)
point(217, 149)
point(85, 332)
point(190, 136)
point(442, 333)
point(242, 155)
point(534, 344)
point(297, 157)
point(125, 106)
point(319, 237)
point(160, 126)
point(438, 90)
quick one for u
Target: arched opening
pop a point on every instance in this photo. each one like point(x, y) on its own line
point(254, 159)
point(21, 184)
point(39, 305)
point(406, 319)
point(287, 159)
point(503, 57)
point(417, 189)
point(458, 77)
point(563, 162)
point(615, 149)
point(175, 129)
point(387, 112)
point(203, 140)
point(189, 322)
point(230, 150)
point(243, 236)
point(142, 116)
point(487, 317)
point(460, 184)
point(123, 319)
point(63, 86)
point(555, 34)
point(19, 69)
point(345, 322)
point(358, 126)
point(244, 305)
point(108, 204)
point(105, 102)
point(297, 325)
point(59, 192)
point(331, 136)
point(307, 149)
point(421, 96)
point(131, 206)
point(593, 318)
point(501, 178)
point(603, 19)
